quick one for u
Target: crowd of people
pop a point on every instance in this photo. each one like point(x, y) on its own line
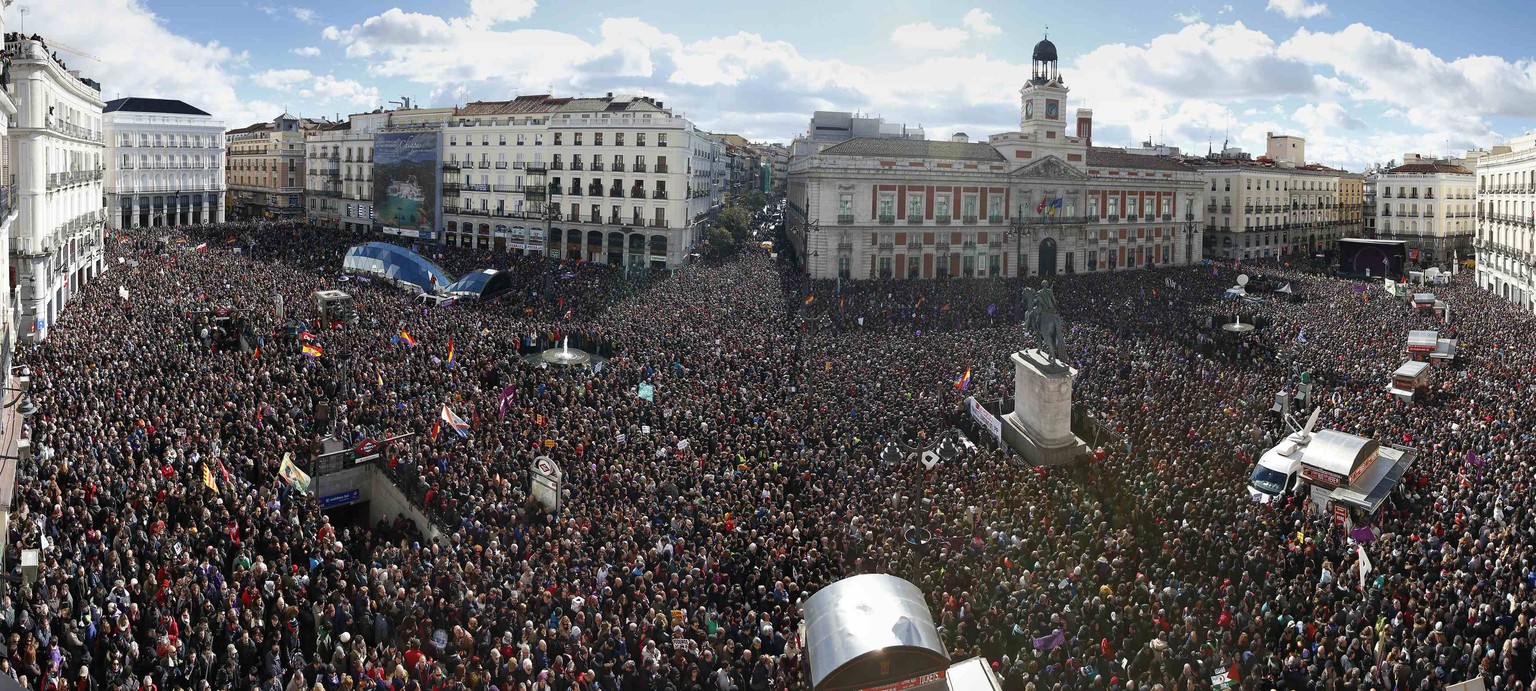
point(699, 518)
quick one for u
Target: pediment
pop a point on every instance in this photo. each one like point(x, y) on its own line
point(1051, 168)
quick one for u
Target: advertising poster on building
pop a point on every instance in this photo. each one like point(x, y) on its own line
point(405, 182)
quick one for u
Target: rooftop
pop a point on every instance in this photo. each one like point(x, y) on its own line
point(915, 148)
point(134, 104)
point(1109, 157)
point(1430, 168)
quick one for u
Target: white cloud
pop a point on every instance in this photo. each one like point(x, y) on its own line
point(306, 51)
point(1297, 9)
point(304, 14)
point(487, 12)
point(1320, 119)
point(1189, 17)
point(175, 67)
point(927, 36)
point(979, 23)
point(1225, 9)
point(329, 89)
point(281, 80)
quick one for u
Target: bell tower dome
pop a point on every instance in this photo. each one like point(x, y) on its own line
point(1043, 100)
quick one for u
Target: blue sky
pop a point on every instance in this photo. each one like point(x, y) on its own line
point(1364, 81)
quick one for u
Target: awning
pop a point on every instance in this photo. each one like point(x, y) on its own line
point(1371, 489)
point(1410, 370)
point(869, 630)
point(1445, 349)
point(1422, 341)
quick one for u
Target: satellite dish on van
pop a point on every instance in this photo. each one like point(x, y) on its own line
point(1242, 280)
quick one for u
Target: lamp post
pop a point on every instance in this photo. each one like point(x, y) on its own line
point(1189, 227)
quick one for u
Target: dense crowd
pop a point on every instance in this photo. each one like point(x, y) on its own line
point(697, 521)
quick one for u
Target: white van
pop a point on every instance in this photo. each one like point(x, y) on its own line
point(1278, 470)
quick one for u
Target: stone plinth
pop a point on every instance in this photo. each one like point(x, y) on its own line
point(1040, 426)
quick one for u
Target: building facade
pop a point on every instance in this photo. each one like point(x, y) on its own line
point(1033, 202)
point(56, 158)
point(1429, 204)
point(265, 168)
point(1505, 241)
point(338, 164)
point(165, 164)
point(609, 180)
point(1277, 205)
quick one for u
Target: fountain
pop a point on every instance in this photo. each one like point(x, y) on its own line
point(564, 355)
point(1237, 325)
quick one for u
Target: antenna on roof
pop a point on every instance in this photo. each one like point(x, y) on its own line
point(24, 11)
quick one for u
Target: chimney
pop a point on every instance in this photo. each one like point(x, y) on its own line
point(1085, 125)
point(610, 94)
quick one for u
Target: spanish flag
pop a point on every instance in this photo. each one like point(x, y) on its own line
point(380, 375)
point(437, 426)
point(256, 352)
point(964, 382)
point(208, 479)
point(406, 336)
point(450, 353)
point(312, 350)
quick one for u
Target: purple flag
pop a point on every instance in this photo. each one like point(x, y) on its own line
point(1475, 459)
point(507, 395)
point(992, 308)
point(1051, 642)
point(1364, 533)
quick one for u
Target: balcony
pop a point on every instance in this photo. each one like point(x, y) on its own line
point(941, 220)
point(914, 219)
point(995, 219)
point(659, 194)
point(658, 223)
point(616, 192)
point(968, 220)
point(1167, 217)
point(1226, 208)
point(501, 165)
point(578, 165)
point(447, 165)
point(618, 167)
point(844, 219)
point(597, 166)
point(615, 221)
point(556, 165)
point(452, 188)
point(504, 188)
point(1130, 218)
point(1210, 208)
point(661, 167)
point(637, 222)
point(482, 187)
point(887, 219)
point(640, 168)
point(637, 193)
point(575, 191)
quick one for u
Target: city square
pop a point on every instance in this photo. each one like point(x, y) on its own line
point(547, 391)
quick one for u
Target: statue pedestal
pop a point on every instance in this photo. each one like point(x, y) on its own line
point(1040, 426)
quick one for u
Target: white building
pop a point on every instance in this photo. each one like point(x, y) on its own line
point(608, 180)
point(165, 164)
point(1428, 203)
point(56, 157)
point(1037, 201)
point(1506, 239)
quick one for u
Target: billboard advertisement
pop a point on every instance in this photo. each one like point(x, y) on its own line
point(405, 182)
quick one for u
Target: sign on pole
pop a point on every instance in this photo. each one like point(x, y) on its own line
point(548, 482)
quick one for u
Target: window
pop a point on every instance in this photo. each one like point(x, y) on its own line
point(639, 139)
point(941, 206)
point(661, 139)
point(538, 140)
point(597, 139)
point(887, 205)
point(618, 139)
point(995, 206)
point(485, 140)
point(914, 206)
point(453, 140)
point(557, 139)
point(1146, 205)
point(845, 204)
point(968, 203)
point(1114, 206)
point(521, 139)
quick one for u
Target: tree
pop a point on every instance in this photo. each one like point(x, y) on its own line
point(735, 221)
point(719, 240)
point(753, 200)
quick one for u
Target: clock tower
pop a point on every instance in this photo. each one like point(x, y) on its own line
point(1044, 97)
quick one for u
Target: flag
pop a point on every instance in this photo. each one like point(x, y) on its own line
point(506, 397)
point(200, 248)
point(1040, 208)
point(436, 427)
point(297, 479)
point(1052, 641)
point(920, 300)
point(256, 352)
point(810, 299)
point(312, 350)
point(964, 382)
point(306, 337)
point(406, 338)
point(450, 353)
point(1054, 207)
point(380, 375)
point(230, 240)
point(1364, 533)
point(454, 421)
point(1365, 564)
point(1286, 289)
point(991, 309)
point(224, 473)
point(1301, 336)
point(208, 479)
point(646, 391)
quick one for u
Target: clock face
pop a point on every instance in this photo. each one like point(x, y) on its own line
point(1050, 110)
point(1029, 109)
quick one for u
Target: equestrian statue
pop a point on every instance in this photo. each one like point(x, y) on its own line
point(1043, 319)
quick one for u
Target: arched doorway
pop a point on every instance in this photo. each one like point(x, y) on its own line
point(1048, 257)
